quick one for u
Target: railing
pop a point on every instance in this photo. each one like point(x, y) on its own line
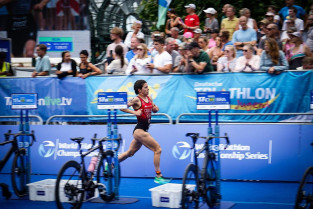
point(170, 121)
point(30, 116)
point(242, 114)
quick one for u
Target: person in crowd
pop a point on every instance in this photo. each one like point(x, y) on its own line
point(187, 37)
point(135, 41)
point(262, 29)
point(287, 43)
point(270, 17)
point(5, 67)
point(251, 23)
point(197, 33)
point(224, 36)
point(175, 34)
point(299, 24)
point(248, 62)
point(307, 64)
point(172, 21)
point(204, 43)
point(119, 64)
point(43, 66)
point(272, 59)
point(183, 66)
point(298, 51)
point(192, 21)
point(284, 12)
point(216, 52)
point(290, 26)
point(227, 63)
point(86, 68)
point(273, 9)
point(162, 61)
point(309, 26)
point(272, 32)
point(198, 59)
point(170, 45)
point(67, 67)
point(136, 33)
point(116, 36)
point(224, 9)
point(153, 35)
point(212, 40)
point(243, 36)
point(138, 64)
point(211, 23)
point(230, 22)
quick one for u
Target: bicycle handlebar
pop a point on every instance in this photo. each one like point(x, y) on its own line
point(195, 136)
point(7, 136)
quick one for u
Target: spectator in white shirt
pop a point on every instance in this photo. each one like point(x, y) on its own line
point(248, 62)
point(138, 64)
point(298, 22)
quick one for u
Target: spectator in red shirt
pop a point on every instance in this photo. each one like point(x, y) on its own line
point(192, 20)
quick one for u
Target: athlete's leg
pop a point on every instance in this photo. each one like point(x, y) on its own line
point(133, 148)
point(147, 140)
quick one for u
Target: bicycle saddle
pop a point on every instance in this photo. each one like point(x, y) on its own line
point(192, 134)
point(77, 139)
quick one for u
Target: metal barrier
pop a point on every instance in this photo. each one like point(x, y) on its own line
point(240, 114)
point(102, 116)
point(30, 116)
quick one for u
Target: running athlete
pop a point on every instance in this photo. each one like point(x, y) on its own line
point(143, 106)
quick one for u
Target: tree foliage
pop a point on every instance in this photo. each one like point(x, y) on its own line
point(149, 8)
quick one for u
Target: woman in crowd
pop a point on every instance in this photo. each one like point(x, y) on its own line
point(309, 29)
point(273, 60)
point(138, 64)
point(248, 62)
point(273, 10)
point(227, 63)
point(172, 21)
point(135, 33)
point(67, 67)
point(86, 68)
point(119, 64)
point(251, 23)
point(216, 52)
point(297, 52)
point(212, 40)
point(203, 43)
point(211, 23)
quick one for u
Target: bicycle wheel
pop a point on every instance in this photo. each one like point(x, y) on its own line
point(69, 189)
point(108, 178)
point(190, 198)
point(304, 198)
point(211, 193)
point(19, 173)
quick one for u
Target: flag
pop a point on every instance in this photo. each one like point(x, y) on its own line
point(163, 6)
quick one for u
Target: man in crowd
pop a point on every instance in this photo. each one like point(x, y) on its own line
point(134, 42)
point(197, 34)
point(284, 12)
point(170, 45)
point(198, 59)
point(298, 22)
point(192, 21)
point(224, 36)
point(162, 62)
point(272, 31)
point(243, 36)
point(43, 65)
point(116, 36)
point(230, 22)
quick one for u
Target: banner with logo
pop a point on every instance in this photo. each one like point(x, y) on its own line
point(249, 93)
point(55, 96)
point(256, 152)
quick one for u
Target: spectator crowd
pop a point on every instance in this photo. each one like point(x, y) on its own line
point(281, 41)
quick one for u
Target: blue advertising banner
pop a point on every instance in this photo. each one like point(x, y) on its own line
point(55, 96)
point(257, 152)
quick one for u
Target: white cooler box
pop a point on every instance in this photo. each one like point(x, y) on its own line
point(168, 195)
point(44, 190)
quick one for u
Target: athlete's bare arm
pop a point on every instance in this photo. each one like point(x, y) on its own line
point(155, 108)
point(135, 103)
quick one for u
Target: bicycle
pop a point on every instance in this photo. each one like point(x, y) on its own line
point(74, 181)
point(205, 181)
point(304, 197)
point(20, 171)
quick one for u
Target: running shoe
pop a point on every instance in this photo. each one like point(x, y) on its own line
point(161, 180)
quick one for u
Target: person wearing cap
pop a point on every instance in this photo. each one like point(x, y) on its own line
point(5, 67)
point(211, 23)
point(299, 24)
point(284, 12)
point(270, 17)
point(298, 51)
point(175, 35)
point(230, 22)
point(251, 23)
point(273, 9)
point(198, 59)
point(262, 29)
point(197, 33)
point(244, 36)
point(192, 21)
point(162, 61)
